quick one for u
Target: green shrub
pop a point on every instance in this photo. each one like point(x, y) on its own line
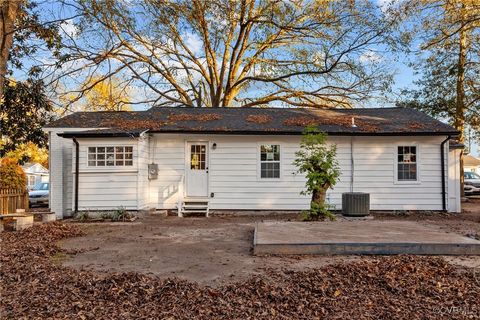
point(121, 214)
point(318, 211)
point(83, 215)
point(12, 175)
point(106, 215)
point(317, 161)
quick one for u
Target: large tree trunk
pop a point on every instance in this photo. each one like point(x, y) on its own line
point(8, 14)
point(459, 122)
point(319, 196)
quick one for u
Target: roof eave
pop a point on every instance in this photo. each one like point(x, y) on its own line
point(298, 133)
point(101, 134)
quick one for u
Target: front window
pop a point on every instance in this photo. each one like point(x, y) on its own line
point(407, 163)
point(31, 181)
point(110, 156)
point(198, 157)
point(270, 161)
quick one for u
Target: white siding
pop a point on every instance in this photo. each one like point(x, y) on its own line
point(106, 188)
point(61, 179)
point(68, 178)
point(143, 183)
point(233, 173)
point(454, 194)
point(56, 174)
point(375, 170)
point(168, 151)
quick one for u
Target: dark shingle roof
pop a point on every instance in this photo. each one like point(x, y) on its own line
point(369, 121)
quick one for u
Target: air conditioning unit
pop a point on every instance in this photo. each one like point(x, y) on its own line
point(355, 204)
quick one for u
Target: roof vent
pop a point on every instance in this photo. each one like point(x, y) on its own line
point(353, 123)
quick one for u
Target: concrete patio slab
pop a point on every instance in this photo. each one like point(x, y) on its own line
point(359, 237)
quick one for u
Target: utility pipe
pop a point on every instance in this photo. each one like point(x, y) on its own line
point(442, 163)
point(77, 157)
point(352, 164)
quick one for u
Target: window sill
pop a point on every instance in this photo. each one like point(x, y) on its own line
point(407, 182)
point(108, 171)
point(268, 179)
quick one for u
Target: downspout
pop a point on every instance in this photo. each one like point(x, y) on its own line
point(352, 160)
point(442, 163)
point(77, 157)
point(352, 165)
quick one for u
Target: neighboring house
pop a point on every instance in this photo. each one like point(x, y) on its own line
point(470, 163)
point(241, 159)
point(35, 173)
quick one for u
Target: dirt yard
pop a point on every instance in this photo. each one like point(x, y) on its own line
point(209, 251)
point(216, 250)
point(227, 282)
point(35, 285)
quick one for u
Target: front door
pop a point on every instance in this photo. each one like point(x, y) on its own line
point(197, 169)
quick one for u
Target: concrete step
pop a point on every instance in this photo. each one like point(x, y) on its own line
point(195, 206)
point(196, 199)
point(194, 210)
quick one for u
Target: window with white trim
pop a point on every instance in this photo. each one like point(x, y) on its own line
point(32, 181)
point(270, 161)
point(407, 163)
point(109, 156)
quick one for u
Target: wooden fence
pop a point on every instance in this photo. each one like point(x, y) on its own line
point(12, 199)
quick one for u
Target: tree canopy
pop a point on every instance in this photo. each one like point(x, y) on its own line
point(29, 34)
point(29, 152)
point(104, 95)
point(223, 53)
point(12, 175)
point(23, 113)
point(445, 37)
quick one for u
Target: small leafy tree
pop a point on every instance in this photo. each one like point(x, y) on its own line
point(29, 152)
point(12, 175)
point(318, 161)
point(23, 113)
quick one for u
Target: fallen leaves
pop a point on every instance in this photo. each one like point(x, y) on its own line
point(194, 117)
point(416, 125)
point(131, 121)
point(361, 125)
point(259, 118)
point(301, 121)
point(399, 287)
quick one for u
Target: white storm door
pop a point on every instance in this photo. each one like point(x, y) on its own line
point(197, 169)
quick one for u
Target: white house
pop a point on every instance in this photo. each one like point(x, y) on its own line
point(241, 159)
point(471, 163)
point(35, 173)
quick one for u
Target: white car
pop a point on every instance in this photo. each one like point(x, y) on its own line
point(39, 194)
point(472, 183)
